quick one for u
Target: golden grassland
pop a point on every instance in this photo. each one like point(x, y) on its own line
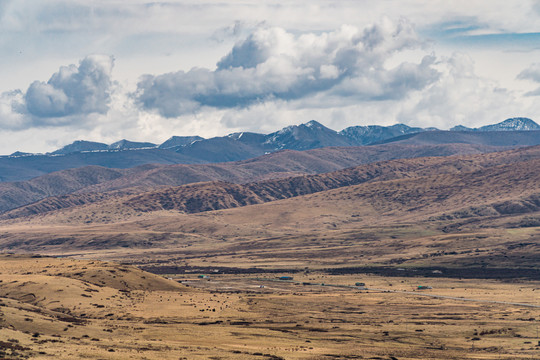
point(67, 309)
point(293, 233)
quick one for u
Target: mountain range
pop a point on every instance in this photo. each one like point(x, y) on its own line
point(125, 154)
point(513, 124)
point(306, 136)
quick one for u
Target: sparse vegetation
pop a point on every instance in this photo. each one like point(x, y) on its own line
point(232, 316)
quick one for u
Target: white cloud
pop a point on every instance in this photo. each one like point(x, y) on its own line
point(73, 90)
point(272, 63)
point(72, 97)
point(532, 73)
point(459, 97)
point(11, 106)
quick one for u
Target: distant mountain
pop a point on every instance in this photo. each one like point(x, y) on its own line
point(461, 128)
point(176, 141)
point(233, 147)
point(364, 135)
point(512, 124)
point(249, 138)
point(487, 138)
point(220, 149)
point(310, 135)
point(130, 145)
point(17, 168)
point(81, 145)
point(20, 153)
point(246, 145)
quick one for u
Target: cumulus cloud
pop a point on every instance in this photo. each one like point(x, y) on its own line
point(272, 63)
point(72, 96)
point(82, 89)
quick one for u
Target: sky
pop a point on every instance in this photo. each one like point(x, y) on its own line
point(107, 70)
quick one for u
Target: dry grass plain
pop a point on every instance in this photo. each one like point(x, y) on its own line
point(77, 309)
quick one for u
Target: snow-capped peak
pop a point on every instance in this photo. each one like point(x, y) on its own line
point(512, 124)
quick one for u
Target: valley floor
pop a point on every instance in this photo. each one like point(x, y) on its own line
point(67, 309)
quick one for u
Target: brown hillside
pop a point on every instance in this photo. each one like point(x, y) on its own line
point(63, 182)
point(216, 196)
point(283, 164)
point(201, 197)
point(287, 163)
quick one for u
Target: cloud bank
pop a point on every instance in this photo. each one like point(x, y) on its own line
point(274, 64)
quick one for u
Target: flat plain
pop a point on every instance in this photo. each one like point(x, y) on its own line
point(65, 308)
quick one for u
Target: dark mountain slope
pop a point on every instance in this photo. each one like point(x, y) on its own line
point(130, 145)
point(80, 145)
point(27, 167)
point(364, 135)
point(16, 194)
point(175, 141)
point(220, 149)
point(487, 138)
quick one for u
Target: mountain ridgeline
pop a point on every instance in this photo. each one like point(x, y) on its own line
point(310, 135)
point(125, 154)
